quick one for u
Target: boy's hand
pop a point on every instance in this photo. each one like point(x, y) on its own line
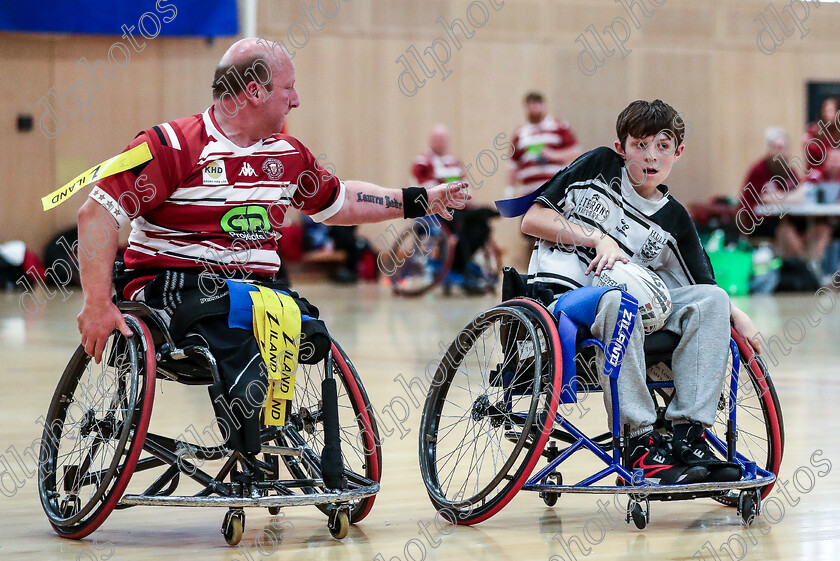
point(607, 253)
point(746, 328)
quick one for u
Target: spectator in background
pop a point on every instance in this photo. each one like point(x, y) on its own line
point(770, 180)
point(826, 131)
point(542, 147)
point(471, 225)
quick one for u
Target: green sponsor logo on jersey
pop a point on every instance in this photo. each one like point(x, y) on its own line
point(247, 223)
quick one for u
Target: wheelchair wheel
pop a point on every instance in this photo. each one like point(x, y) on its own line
point(490, 410)
point(360, 445)
point(759, 417)
point(426, 252)
point(94, 431)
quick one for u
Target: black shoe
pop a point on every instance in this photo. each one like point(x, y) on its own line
point(691, 447)
point(652, 452)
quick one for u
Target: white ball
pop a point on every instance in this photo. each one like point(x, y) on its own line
point(645, 286)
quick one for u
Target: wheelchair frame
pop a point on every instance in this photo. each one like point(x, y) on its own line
point(241, 490)
point(616, 456)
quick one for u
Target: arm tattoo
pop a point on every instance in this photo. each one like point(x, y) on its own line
point(385, 201)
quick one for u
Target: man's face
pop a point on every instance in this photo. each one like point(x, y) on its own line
point(439, 142)
point(535, 110)
point(283, 97)
point(649, 160)
point(778, 147)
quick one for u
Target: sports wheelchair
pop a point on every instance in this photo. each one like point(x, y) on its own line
point(423, 255)
point(494, 410)
point(96, 437)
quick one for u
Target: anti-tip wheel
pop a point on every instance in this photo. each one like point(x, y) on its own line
point(274, 510)
point(233, 526)
point(339, 524)
point(640, 514)
point(749, 505)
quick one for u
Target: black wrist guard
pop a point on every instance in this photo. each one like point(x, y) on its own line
point(415, 202)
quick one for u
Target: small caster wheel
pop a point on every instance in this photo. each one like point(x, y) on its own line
point(274, 510)
point(339, 524)
point(550, 497)
point(639, 514)
point(233, 526)
point(749, 505)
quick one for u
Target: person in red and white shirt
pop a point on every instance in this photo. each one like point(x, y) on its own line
point(435, 166)
point(210, 203)
point(470, 225)
point(542, 147)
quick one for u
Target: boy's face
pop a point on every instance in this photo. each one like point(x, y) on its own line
point(649, 160)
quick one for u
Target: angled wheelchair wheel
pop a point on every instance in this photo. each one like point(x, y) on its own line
point(360, 444)
point(758, 417)
point(490, 410)
point(425, 252)
point(94, 431)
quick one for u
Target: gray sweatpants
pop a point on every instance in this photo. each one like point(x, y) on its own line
point(701, 316)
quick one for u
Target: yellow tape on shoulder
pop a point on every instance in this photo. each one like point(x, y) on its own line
point(277, 330)
point(119, 163)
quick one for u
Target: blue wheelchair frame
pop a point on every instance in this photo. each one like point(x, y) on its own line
point(754, 477)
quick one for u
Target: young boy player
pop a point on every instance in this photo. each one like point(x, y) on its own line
point(612, 206)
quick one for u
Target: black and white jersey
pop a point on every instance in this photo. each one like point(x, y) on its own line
point(595, 192)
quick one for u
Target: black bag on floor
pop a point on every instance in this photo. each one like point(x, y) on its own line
point(795, 276)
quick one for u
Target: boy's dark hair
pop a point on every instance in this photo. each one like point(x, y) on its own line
point(643, 118)
point(536, 97)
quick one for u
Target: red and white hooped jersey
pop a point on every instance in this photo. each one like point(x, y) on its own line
point(203, 202)
point(529, 140)
point(429, 166)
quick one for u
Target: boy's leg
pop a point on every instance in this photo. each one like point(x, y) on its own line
point(635, 402)
point(648, 450)
point(700, 361)
point(701, 317)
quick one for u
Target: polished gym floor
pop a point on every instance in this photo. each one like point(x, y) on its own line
point(386, 337)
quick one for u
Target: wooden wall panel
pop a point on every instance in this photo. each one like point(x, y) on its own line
point(702, 58)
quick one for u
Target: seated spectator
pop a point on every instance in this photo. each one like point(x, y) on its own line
point(771, 180)
point(320, 237)
point(825, 131)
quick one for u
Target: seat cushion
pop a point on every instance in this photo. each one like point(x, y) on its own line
point(659, 346)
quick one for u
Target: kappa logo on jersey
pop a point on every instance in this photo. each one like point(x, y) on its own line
point(273, 167)
point(214, 173)
point(652, 247)
point(247, 170)
point(594, 207)
point(249, 222)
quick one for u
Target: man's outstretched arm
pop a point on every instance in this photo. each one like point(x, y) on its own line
point(99, 316)
point(367, 202)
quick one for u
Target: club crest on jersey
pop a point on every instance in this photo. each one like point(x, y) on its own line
point(594, 207)
point(652, 247)
point(214, 173)
point(273, 167)
point(248, 222)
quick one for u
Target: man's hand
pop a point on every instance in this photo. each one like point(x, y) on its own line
point(448, 196)
point(746, 328)
point(97, 321)
point(607, 253)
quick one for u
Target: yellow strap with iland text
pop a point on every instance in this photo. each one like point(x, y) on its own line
point(119, 163)
point(277, 330)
